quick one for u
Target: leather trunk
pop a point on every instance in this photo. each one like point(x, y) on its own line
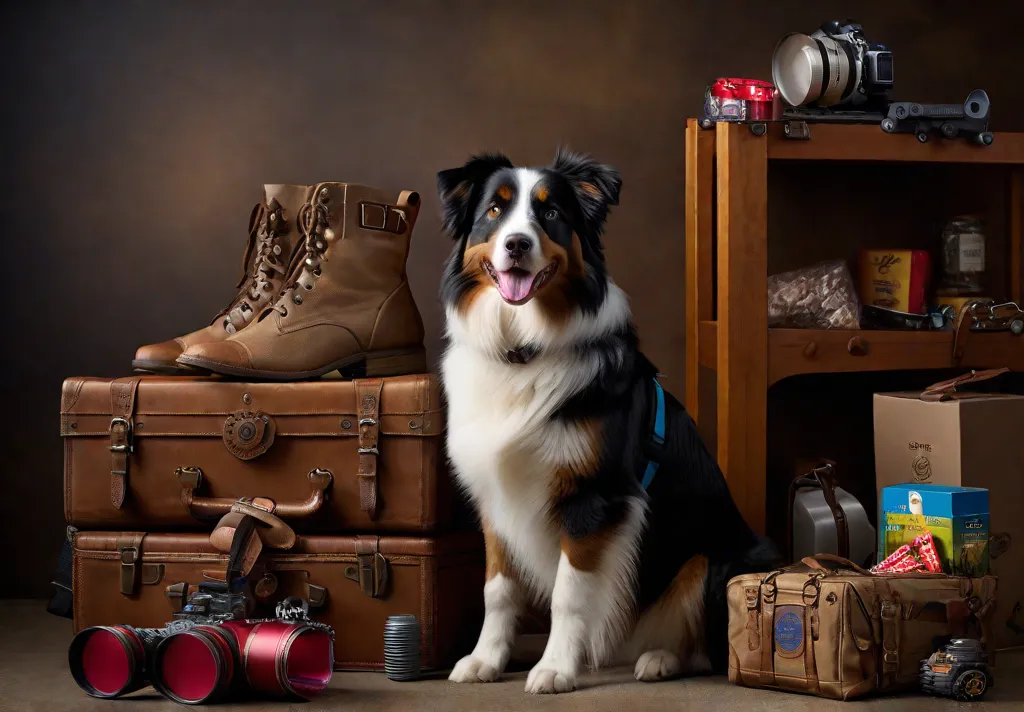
point(352, 582)
point(173, 453)
point(827, 627)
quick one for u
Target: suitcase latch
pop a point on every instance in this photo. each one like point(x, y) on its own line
point(371, 573)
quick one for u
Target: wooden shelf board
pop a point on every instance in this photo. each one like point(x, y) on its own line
point(864, 142)
point(790, 351)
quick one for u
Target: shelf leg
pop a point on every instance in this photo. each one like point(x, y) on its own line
point(700, 156)
point(1016, 233)
point(742, 161)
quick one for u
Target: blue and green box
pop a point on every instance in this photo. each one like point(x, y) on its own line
point(957, 518)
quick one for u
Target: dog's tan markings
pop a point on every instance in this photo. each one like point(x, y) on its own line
point(496, 554)
point(590, 189)
point(542, 193)
point(505, 192)
point(556, 299)
point(675, 622)
point(472, 265)
point(584, 553)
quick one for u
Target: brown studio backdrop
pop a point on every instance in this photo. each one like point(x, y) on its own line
point(136, 137)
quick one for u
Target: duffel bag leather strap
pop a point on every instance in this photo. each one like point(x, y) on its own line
point(368, 392)
point(129, 552)
point(122, 445)
point(768, 593)
point(890, 612)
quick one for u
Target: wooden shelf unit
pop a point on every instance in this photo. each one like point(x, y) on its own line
point(727, 173)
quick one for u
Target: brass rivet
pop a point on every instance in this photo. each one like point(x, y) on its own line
point(140, 426)
point(246, 398)
point(413, 425)
point(346, 424)
point(74, 425)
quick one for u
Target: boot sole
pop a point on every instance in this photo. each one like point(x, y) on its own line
point(398, 362)
point(163, 368)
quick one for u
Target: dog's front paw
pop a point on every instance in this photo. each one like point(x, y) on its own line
point(547, 680)
point(473, 669)
point(656, 665)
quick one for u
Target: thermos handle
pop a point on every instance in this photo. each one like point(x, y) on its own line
point(202, 508)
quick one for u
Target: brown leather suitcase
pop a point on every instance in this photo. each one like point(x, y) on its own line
point(352, 582)
point(167, 454)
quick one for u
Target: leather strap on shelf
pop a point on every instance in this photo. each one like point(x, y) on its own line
point(129, 551)
point(122, 406)
point(368, 392)
point(946, 390)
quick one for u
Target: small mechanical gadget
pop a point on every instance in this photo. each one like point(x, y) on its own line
point(984, 315)
point(968, 120)
point(960, 670)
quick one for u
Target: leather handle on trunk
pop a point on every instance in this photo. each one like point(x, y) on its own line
point(821, 474)
point(191, 479)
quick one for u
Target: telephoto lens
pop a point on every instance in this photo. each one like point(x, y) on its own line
point(108, 661)
point(197, 665)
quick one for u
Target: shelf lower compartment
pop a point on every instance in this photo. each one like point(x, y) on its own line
point(792, 352)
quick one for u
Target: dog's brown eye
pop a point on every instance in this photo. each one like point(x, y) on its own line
point(551, 215)
point(494, 212)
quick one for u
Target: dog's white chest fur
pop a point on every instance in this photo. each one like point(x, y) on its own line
point(503, 444)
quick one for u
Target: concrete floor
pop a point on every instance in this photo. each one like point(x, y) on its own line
point(34, 677)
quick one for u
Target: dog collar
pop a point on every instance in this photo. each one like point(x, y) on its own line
point(656, 441)
point(524, 354)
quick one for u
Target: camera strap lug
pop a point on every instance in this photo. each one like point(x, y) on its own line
point(796, 130)
point(371, 569)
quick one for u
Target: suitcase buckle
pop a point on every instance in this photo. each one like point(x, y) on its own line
point(129, 556)
point(129, 441)
point(371, 573)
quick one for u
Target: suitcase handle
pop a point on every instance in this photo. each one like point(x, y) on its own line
point(191, 479)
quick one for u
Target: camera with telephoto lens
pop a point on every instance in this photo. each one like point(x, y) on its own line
point(208, 652)
point(834, 65)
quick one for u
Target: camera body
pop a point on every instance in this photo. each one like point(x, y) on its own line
point(212, 640)
point(834, 65)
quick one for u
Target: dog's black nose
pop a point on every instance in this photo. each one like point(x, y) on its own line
point(517, 246)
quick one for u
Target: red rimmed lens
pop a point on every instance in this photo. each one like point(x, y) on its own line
point(288, 659)
point(195, 666)
point(107, 661)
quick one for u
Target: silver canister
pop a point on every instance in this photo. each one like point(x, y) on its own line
point(402, 637)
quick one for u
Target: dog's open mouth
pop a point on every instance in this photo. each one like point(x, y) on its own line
point(516, 285)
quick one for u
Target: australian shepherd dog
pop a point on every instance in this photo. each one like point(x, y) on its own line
point(551, 416)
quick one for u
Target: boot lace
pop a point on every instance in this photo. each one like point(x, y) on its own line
point(313, 220)
point(269, 224)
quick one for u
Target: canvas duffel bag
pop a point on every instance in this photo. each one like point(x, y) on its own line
point(827, 627)
point(173, 453)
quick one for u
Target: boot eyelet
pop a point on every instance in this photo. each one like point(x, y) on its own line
point(316, 272)
point(297, 299)
point(308, 287)
point(284, 311)
point(277, 249)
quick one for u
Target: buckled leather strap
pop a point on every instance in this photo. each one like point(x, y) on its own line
point(122, 406)
point(371, 571)
point(129, 551)
point(753, 633)
point(767, 666)
point(379, 216)
point(368, 392)
point(810, 635)
point(890, 637)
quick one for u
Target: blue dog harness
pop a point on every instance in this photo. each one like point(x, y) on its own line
point(656, 441)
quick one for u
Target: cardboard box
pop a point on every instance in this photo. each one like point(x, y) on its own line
point(957, 518)
point(971, 440)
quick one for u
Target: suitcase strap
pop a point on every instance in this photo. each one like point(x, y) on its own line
point(371, 569)
point(122, 406)
point(368, 392)
point(129, 553)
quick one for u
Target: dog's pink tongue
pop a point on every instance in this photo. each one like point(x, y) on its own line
point(514, 285)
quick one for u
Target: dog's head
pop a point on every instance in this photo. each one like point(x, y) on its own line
point(528, 233)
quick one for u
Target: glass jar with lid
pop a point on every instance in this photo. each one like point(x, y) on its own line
point(963, 255)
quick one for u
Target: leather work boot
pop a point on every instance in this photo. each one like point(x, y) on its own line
point(274, 244)
point(347, 306)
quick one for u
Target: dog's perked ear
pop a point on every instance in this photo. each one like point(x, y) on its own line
point(460, 189)
point(595, 184)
